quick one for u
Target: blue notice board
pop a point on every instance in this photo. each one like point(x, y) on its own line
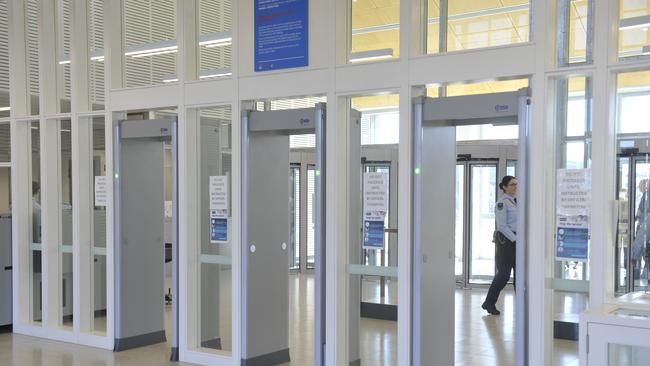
point(218, 229)
point(572, 243)
point(281, 34)
point(373, 234)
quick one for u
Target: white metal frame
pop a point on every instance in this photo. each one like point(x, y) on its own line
point(329, 74)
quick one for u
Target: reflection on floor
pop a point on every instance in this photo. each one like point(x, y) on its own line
point(480, 339)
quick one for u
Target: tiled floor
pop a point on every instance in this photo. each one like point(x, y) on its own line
point(481, 340)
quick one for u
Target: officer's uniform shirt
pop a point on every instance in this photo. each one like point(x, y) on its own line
point(506, 215)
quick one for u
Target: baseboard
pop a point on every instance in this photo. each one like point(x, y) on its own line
point(123, 344)
point(212, 343)
point(566, 330)
point(269, 359)
point(378, 311)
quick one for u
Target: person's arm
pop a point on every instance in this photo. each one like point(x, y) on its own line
point(502, 221)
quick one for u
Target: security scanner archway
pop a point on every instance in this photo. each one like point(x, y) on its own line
point(265, 232)
point(434, 164)
point(140, 233)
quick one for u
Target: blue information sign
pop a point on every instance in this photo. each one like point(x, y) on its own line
point(572, 243)
point(373, 234)
point(218, 229)
point(281, 34)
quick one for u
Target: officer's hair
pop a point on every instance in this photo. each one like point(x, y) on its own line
point(505, 181)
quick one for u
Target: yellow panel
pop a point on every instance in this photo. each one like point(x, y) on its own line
point(578, 31)
point(639, 79)
point(377, 41)
point(376, 101)
point(577, 84)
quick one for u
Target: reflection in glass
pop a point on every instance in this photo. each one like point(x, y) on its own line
point(631, 40)
point(215, 272)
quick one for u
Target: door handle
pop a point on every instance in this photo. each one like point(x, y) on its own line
point(9, 268)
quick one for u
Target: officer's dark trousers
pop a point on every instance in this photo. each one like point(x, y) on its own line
point(505, 261)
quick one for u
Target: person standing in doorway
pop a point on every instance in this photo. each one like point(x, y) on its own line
point(505, 238)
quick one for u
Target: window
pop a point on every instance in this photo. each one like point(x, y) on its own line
point(375, 30)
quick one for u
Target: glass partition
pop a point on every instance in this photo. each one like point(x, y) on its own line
point(575, 32)
point(32, 54)
point(633, 35)
point(633, 173)
point(215, 248)
point(375, 29)
point(63, 46)
point(470, 24)
point(35, 260)
point(373, 133)
point(98, 235)
point(65, 208)
point(215, 38)
point(295, 222)
point(4, 60)
point(96, 49)
point(149, 40)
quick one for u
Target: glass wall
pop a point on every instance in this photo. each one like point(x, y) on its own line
point(215, 38)
point(471, 24)
point(633, 35)
point(375, 30)
point(150, 46)
point(372, 268)
point(215, 263)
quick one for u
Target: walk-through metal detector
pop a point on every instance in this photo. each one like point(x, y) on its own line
point(265, 232)
point(139, 231)
point(434, 163)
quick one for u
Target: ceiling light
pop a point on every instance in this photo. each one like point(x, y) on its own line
point(215, 39)
point(151, 49)
point(205, 74)
point(5, 109)
point(384, 53)
point(64, 62)
point(634, 23)
point(170, 79)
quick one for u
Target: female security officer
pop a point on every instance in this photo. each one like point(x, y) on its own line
point(505, 238)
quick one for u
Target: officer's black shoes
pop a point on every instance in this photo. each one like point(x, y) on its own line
point(490, 309)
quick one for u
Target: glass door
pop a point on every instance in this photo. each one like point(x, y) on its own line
point(311, 192)
point(459, 256)
point(482, 199)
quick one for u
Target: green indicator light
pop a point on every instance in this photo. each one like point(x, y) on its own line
point(117, 176)
point(317, 173)
point(417, 171)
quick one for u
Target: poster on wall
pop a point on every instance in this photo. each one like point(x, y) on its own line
point(573, 214)
point(375, 208)
point(218, 209)
point(572, 238)
point(281, 34)
point(101, 191)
